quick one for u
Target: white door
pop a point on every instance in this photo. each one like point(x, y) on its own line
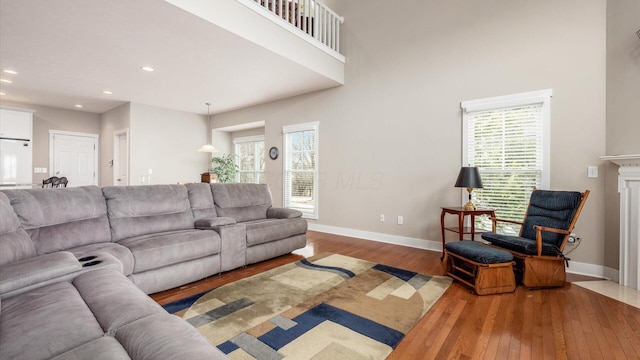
point(121, 158)
point(75, 157)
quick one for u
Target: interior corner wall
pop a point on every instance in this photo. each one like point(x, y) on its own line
point(110, 122)
point(390, 138)
point(47, 118)
point(221, 140)
point(623, 107)
point(167, 142)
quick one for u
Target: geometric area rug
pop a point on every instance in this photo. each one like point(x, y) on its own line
point(328, 306)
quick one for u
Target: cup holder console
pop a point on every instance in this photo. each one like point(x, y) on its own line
point(91, 263)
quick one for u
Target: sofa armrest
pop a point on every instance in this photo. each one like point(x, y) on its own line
point(282, 213)
point(210, 223)
point(233, 249)
point(37, 269)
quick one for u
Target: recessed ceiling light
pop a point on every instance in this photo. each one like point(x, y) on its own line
point(107, 92)
point(12, 72)
point(6, 81)
point(79, 106)
point(147, 68)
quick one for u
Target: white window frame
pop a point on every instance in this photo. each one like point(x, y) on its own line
point(243, 140)
point(286, 130)
point(521, 99)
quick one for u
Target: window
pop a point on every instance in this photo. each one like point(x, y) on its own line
point(507, 138)
point(250, 154)
point(301, 168)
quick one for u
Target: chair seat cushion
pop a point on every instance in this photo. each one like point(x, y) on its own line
point(154, 251)
point(519, 244)
point(263, 231)
point(478, 252)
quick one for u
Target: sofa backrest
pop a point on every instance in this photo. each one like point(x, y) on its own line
point(242, 202)
point(15, 244)
point(201, 200)
point(61, 218)
point(149, 209)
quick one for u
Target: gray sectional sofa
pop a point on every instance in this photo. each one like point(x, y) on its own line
point(75, 264)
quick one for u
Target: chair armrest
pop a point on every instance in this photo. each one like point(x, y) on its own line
point(554, 230)
point(210, 223)
point(540, 229)
point(282, 213)
point(494, 221)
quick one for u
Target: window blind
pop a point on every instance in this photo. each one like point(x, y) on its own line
point(507, 144)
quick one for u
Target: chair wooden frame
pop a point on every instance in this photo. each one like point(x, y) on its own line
point(542, 270)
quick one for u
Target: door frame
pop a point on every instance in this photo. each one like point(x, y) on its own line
point(116, 155)
point(95, 137)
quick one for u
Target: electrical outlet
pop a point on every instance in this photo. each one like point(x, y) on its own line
point(150, 171)
point(381, 217)
point(572, 238)
point(400, 220)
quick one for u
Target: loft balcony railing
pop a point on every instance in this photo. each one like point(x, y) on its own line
point(309, 18)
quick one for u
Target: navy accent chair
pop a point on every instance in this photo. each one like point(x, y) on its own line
point(538, 248)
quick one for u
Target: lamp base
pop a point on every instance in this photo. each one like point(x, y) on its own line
point(469, 206)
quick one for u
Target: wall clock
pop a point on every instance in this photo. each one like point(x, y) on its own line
point(273, 153)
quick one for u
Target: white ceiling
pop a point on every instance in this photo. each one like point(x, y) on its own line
point(66, 52)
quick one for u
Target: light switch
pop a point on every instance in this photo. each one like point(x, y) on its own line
point(592, 171)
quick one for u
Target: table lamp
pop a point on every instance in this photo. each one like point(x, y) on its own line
point(469, 177)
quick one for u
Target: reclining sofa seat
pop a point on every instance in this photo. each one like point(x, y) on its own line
point(156, 224)
point(44, 231)
point(263, 230)
point(100, 314)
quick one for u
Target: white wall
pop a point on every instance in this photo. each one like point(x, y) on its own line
point(390, 138)
point(166, 141)
point(47, 118)
point(623, 106)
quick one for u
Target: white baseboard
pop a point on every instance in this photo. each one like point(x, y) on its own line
point(385, 238)
point(575, 267)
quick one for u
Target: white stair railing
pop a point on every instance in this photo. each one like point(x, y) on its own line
point(311, 17)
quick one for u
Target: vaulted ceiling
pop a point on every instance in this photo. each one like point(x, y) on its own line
point(67, 52)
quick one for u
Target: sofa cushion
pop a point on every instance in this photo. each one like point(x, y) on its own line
point(15, 244)
point(243, 202)
point(263, 231)
point(61, 218)
point(162, 249)
point(163, 337)
point(37, 269)
point(201, 200)
point(114, 300)
point(45, 322)
point(104, 348)
point(140, 210)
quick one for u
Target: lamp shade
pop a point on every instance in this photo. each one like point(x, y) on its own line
point(207, 148)
point(469, 177)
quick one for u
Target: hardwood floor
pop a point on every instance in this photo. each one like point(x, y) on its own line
point(563, 323)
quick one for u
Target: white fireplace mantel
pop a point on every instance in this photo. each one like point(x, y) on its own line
point(629, 189)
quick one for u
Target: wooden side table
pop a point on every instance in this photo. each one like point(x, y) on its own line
point(461, 229)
